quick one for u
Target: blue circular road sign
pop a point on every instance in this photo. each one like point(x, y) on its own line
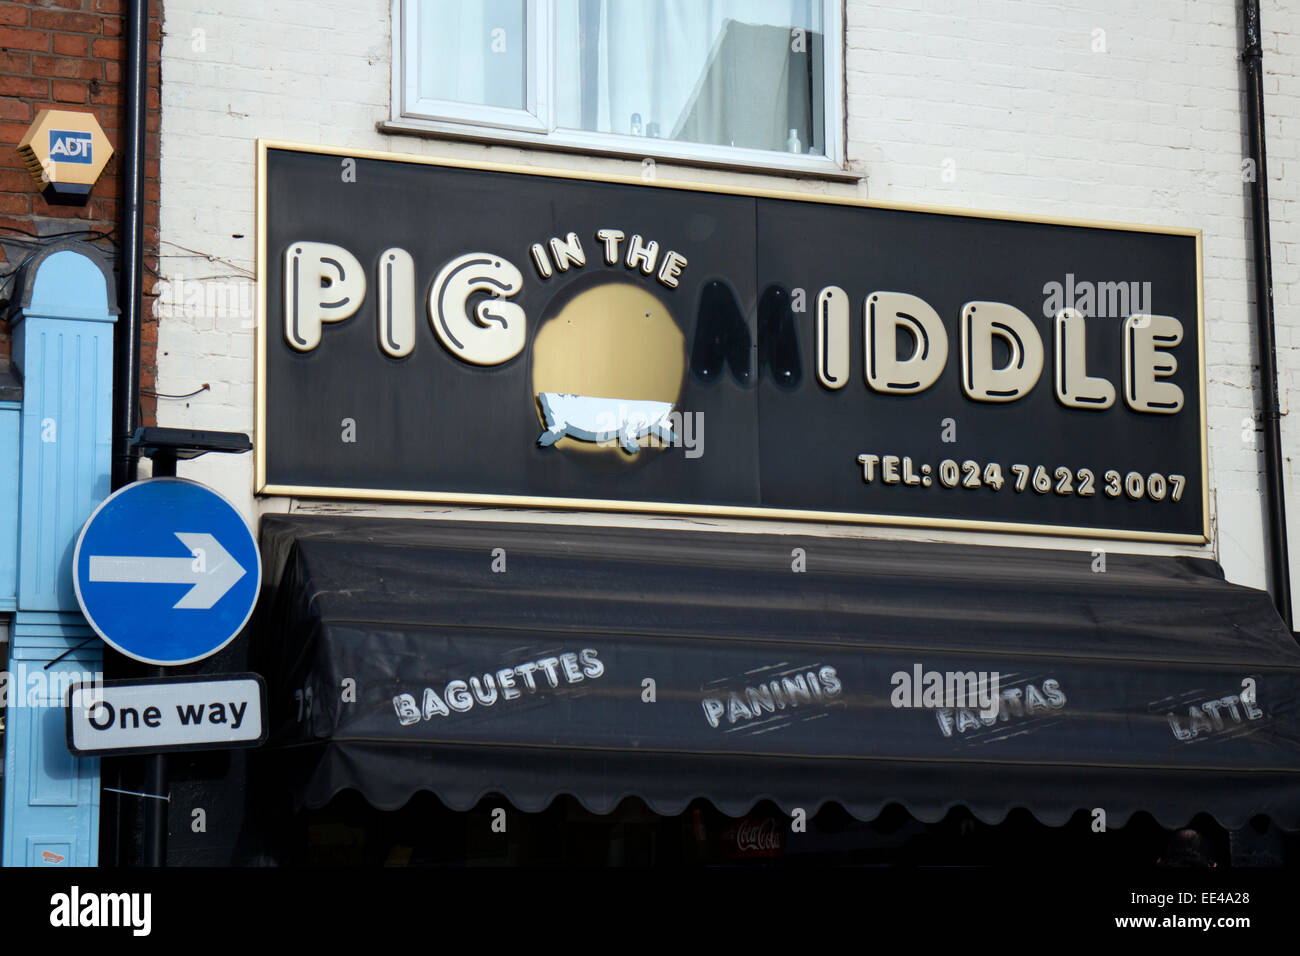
point(166, 571)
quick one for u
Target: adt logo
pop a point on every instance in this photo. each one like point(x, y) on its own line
point(67, 146)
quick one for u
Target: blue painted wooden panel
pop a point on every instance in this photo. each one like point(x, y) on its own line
point(58, 452)
point(52, 798)
point(10, 415)
point(69, 285)
point(53, 773)
point(66, 442)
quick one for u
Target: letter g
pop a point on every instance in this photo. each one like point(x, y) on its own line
point(497, 331)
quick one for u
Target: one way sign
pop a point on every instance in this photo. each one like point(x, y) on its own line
point(164, 714)
point(166, 571)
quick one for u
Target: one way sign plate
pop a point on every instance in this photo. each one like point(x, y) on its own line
point(163, 714)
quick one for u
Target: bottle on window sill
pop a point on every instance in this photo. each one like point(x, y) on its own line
point(636, 124)
point(792, 144)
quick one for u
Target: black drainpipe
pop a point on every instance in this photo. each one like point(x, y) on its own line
point(126, 337)
point(126, 349)
point(1279, 563)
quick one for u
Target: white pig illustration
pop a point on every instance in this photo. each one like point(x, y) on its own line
point(602, 419)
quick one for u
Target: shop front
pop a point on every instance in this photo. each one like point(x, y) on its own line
point(637, 673)
point(486, 689)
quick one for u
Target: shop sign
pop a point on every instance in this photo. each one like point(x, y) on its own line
point(437, 331)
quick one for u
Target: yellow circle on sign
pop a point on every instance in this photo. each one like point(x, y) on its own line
point(616, 341)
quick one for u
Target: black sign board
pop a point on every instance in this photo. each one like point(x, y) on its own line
point(435, 331)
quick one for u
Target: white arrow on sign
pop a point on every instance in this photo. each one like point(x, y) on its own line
point(211, 570)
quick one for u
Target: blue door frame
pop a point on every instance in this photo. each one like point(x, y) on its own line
point(55, 449)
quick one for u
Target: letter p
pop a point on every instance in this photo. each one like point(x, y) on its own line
point(713, 710)
point(322, 283)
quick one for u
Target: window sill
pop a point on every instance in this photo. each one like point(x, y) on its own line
point(763, 164)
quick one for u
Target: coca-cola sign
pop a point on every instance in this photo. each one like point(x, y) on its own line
point(754, 836)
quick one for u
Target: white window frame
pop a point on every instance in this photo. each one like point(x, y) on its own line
point(535, 117)
point(536, 125)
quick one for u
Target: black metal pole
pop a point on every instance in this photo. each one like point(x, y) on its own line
point(155, 765)
point(155, 807)
point(1275, 502)
point(126, 352)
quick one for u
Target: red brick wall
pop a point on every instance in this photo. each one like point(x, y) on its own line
point(67, 54)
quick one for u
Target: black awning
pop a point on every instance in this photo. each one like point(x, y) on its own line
point(533, 659)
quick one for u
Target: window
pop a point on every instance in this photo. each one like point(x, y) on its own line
point(732, 82)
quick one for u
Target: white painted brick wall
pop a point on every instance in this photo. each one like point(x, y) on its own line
point(1035, 120)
